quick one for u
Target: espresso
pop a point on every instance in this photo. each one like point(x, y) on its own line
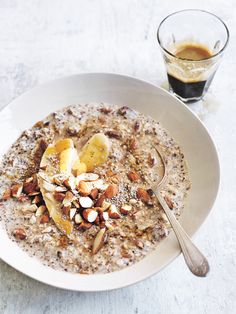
point(190, 88)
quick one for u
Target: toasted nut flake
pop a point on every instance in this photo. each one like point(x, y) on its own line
point(105, 205)
point(111, 191)
point(41, 209)
point(44, 219)
point(66, 209)
point(29, 209)
point(84, 188)
point(72, 212)
point(98, 184)
point(78, 219)
point(70, 183)
point(84, 226)
point(125, 209)
point(100, 201)
point(104, 216)
point(6, 195)
point(16, 190)
point(90, 214)
point(48, 186)
point(143, 195)
point(19, 234)
point(99, 240)
point(69, 197)
point(88, 176)
point(169, 202)
point(133, 176)
point(139, 244)
point(34, 193)
point(85, 201)
point(113, 212)
point(59, 196)
point(126, 254)
point(94, 194)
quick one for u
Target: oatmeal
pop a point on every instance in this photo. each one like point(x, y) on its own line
point(76, 193)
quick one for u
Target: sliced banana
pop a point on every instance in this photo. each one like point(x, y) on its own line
point(95, 152)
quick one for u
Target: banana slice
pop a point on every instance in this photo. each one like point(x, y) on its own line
point(95, 152)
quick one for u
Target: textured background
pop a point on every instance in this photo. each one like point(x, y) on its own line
point(44, 40)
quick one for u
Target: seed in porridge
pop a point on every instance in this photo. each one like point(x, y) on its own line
point(125, 209)
point(85, 201)
point(90, 214)
point(133, 176)
point(113, 212)
point(19, 234)
point(99, 240)
point(63, 241)
point(16, 190)
point(111, 191)
point(152, 161)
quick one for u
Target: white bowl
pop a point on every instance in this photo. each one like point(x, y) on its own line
point(183, 125)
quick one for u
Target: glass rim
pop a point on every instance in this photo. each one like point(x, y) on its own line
point(195, 10)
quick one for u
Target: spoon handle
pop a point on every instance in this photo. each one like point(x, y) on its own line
point(194, 259)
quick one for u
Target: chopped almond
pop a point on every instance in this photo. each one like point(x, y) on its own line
point(99, 240)
point(16, 190)
point(100, 201)
point(84, 226)
point(169, 202)
point(133, 176)
point(143, 195)
point(83, 188)
point(19, 234)
point(125, 209)
point(44, 219)
point(59, 196)
point(90, 214)
point(93, 194)
point(111, 191)
point(113, 212)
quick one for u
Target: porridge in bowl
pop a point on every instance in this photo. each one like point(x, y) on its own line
point(75, 190)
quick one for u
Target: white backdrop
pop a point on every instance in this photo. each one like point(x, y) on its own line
point(43, 40)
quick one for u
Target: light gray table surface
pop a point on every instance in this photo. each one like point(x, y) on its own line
point(44, 40)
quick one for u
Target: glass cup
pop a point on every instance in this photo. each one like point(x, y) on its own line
point(207, 35)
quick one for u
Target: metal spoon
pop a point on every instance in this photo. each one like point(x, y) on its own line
point(194, 259)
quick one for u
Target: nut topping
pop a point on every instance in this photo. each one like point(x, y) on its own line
point(59, 196)
point(84, 226)
point(125, 209)
point(99, 240)
point(111, 191)
point(169, 202)
point(16, 190)
point(78, 219)
point(83, 188)
point(86, 202)
point(6, 195)
point(94, 193)
point(72, 212)
point(90, 214)
point(143, 195)
point(113, 212)
point(19, 234)
point(133, 176)
point(41, 209)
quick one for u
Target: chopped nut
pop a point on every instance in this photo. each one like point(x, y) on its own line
point(169, 202)
point(60, 189)
point(113, 212)
point(29, 209)
point(72, 212)
point(85, 201)
point(110, 173)
point(41, 209)
point(93, 194)
point(139, 244)
point(125, 209)
point(88, 176)
point(69, 197)
point(105, 205)
point(111, 191)
point(97, 221)
point(78, 219)
point(143, 195)
point(133, 201)
point(104, 216)
point(133, 176)
point(44, 219)
point(33, 219)
point(6, 195)
point(84, 226)
point(132, 144)
point(113, 134)
point(90, 214)
point(99, 240)
point(66, 209)
point(70, 183)
point(64, 241)
point(16, 190)
point(100, 201)
point(19, 234)
point(30, 184)
point(151, 160)
point(126, 254)
point(59, 196)
point(83, 188)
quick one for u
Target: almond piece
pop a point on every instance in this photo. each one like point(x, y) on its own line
point(44, 219)
point(97, 221)
point(66, 209)
point(113, 212)
point(100, 201)
point(70, 183)
point(6, 195)
point(30, 209)
point(85, 201)
point(19, 234)
point(125, 209)
point(34, 193)
point(99, 240)
point(133, 176)
point(78, 219)
point(90, 214)
point(69, 197)
point(37, 199)
point(72, 212)
point(59, 178)
point(114, 134)
point(16, 190)
point(93, 194)
point(104, 216)
point(83, 188)
point(59, 197)
point(30, 184)
point(105, 205)
point(41, 209)
point(84, 226)
point(143, 195)
point(169, 202)
point(111, 191)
